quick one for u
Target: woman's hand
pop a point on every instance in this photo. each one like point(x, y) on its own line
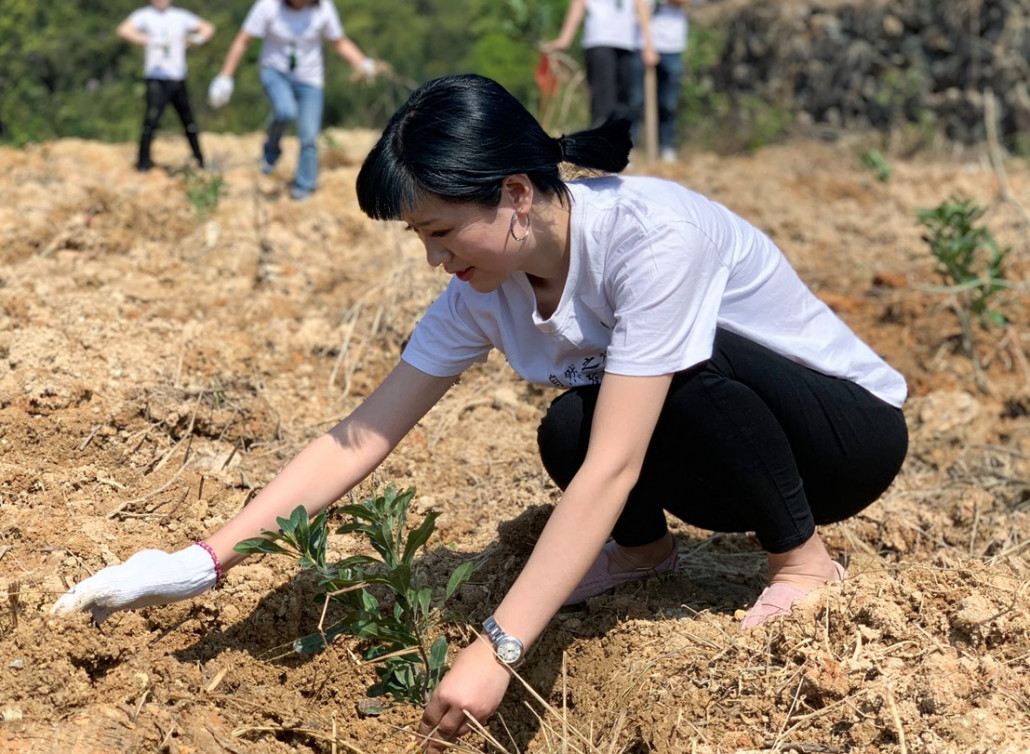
point(150, 577)
point(475, 684)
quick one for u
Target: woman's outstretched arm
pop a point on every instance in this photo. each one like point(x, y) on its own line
point(335, 462)
point(321, 473)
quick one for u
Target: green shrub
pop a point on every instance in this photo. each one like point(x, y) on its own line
point(383, 600)
point(967, 257)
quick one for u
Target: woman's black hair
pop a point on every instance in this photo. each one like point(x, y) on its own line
point(459, 137)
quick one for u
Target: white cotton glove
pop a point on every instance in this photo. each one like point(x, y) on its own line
point(220, 91)
point(150, 577)
point(368, 68)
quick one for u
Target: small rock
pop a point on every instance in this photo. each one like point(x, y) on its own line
point(505, 397)
point(889, 280)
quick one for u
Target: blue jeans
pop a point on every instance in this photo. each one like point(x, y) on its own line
point(294, 102)
point(669, 75)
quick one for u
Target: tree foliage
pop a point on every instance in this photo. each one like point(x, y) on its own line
point(64, 72)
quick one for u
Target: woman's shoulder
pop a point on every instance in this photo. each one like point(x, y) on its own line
point(640, 194)
point(626, 185)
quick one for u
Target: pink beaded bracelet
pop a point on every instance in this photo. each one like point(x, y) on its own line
point(218, 566)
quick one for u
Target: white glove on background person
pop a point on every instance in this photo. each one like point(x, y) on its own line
point(150, 577)
point(220, 91)
point(368, 68)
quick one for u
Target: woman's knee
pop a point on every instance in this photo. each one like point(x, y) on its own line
point(564, 432)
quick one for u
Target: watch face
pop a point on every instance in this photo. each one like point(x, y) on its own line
point(509, 649)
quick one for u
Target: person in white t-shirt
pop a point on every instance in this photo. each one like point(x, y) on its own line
point(610, 29)
point(165, 32)
point(292, 71)
point(700, 377)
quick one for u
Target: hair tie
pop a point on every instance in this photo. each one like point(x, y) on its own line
point(219, 574)
point(561, 147)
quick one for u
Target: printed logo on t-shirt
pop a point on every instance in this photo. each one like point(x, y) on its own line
point(588, 372)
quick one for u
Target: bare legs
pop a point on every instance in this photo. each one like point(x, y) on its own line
point(792, 574)
point(622, 558)
point(616, 564)
point(806, 567)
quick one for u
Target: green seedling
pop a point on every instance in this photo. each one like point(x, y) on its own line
point(203, 190)
point(970, 262)
point(877, 164)
point(382, 600)
point(968, 257)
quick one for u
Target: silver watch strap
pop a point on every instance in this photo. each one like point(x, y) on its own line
point(493, 630)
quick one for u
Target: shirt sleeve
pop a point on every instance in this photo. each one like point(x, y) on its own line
point(258, 18)
point(138, 19)
point(191, 19)
point(447, 340)
point(332, 28)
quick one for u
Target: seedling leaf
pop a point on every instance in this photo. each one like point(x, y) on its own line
point(459, 576)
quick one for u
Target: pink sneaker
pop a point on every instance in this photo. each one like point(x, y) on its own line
point(778, 599)
point(598, 579)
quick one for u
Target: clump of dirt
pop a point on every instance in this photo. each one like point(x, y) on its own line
point(157, 366)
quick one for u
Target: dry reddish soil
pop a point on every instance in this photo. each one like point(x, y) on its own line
point(156, 367)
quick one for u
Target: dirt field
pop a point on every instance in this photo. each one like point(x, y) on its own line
point(156, 367)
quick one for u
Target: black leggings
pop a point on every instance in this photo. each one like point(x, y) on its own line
point(159, 93)
point(610, 75)
point(748, 441)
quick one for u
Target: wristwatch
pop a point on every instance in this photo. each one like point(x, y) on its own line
point(509, 649)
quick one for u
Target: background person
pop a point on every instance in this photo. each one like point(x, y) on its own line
point(164, 32)
point(700, 374)
point(610, 29)
point(669, 27)
point(292, 71)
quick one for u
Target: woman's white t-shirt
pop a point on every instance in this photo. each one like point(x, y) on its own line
point(164, 56)
point(293, 38)
point(654, 268)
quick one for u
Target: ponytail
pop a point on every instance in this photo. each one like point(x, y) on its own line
point(604, 148)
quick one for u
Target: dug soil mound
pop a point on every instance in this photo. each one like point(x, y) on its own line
point(161, 358)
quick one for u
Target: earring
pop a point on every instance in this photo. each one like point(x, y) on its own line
point(511, 227)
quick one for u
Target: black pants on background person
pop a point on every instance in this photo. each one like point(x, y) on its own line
point(161, 92)
point(748, 441)
point(610, 78)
